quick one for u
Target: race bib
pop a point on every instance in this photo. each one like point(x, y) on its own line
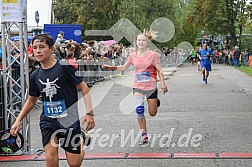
point(143, 76)
point(204, 57)
point(55, 109)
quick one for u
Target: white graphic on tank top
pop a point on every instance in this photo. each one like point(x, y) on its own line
point(50, 88)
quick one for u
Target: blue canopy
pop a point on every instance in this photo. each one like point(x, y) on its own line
point(16, 38)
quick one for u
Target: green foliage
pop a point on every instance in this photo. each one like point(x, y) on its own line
point(210, 15)
point(66, 11)
point(246, 70)
point(216, 21)
point(216, 17)
point(102, 15)
point(223, 17)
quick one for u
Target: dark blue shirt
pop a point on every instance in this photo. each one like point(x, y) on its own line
point(204, 54)
point(57, 83)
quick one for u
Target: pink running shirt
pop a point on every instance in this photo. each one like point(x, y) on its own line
point(145, 70)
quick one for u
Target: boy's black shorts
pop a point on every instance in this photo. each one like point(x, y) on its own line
point(69, 138)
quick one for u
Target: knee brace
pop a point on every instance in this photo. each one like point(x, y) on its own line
point(139, 103)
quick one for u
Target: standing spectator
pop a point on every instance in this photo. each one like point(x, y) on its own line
point(218, 39)
point(60, 51)
point(216, 56)
point(59, 39)
point(71, 60)
point(198, 60)
point(68, 47)
point(237, 54)
point(30, 51)
point(109, 55)
point(246, 57)
point(225, 56)
point(232, 56)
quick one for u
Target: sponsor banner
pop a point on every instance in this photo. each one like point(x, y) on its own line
point(13, 10)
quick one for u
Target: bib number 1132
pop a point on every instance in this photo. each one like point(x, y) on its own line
point(56, 109)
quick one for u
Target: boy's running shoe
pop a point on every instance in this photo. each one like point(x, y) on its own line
point(206, 81)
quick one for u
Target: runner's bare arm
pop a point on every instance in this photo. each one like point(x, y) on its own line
point(161, 77)
point(210, 54)
point(119, 68)
point(160, 72)
point(29, 104)
point(89, 107)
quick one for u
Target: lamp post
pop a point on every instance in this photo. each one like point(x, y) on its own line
point(202, 34)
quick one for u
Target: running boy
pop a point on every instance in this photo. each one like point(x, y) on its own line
point(59, 120)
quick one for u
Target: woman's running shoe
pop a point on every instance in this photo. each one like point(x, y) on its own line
point(144, 140)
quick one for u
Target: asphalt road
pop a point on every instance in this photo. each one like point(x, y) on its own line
point(194, 117)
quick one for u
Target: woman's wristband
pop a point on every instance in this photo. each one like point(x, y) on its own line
point(90, 113)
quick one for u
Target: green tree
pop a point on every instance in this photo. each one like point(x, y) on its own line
point(226, 17)
point(66, 11)
point(216, 21)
